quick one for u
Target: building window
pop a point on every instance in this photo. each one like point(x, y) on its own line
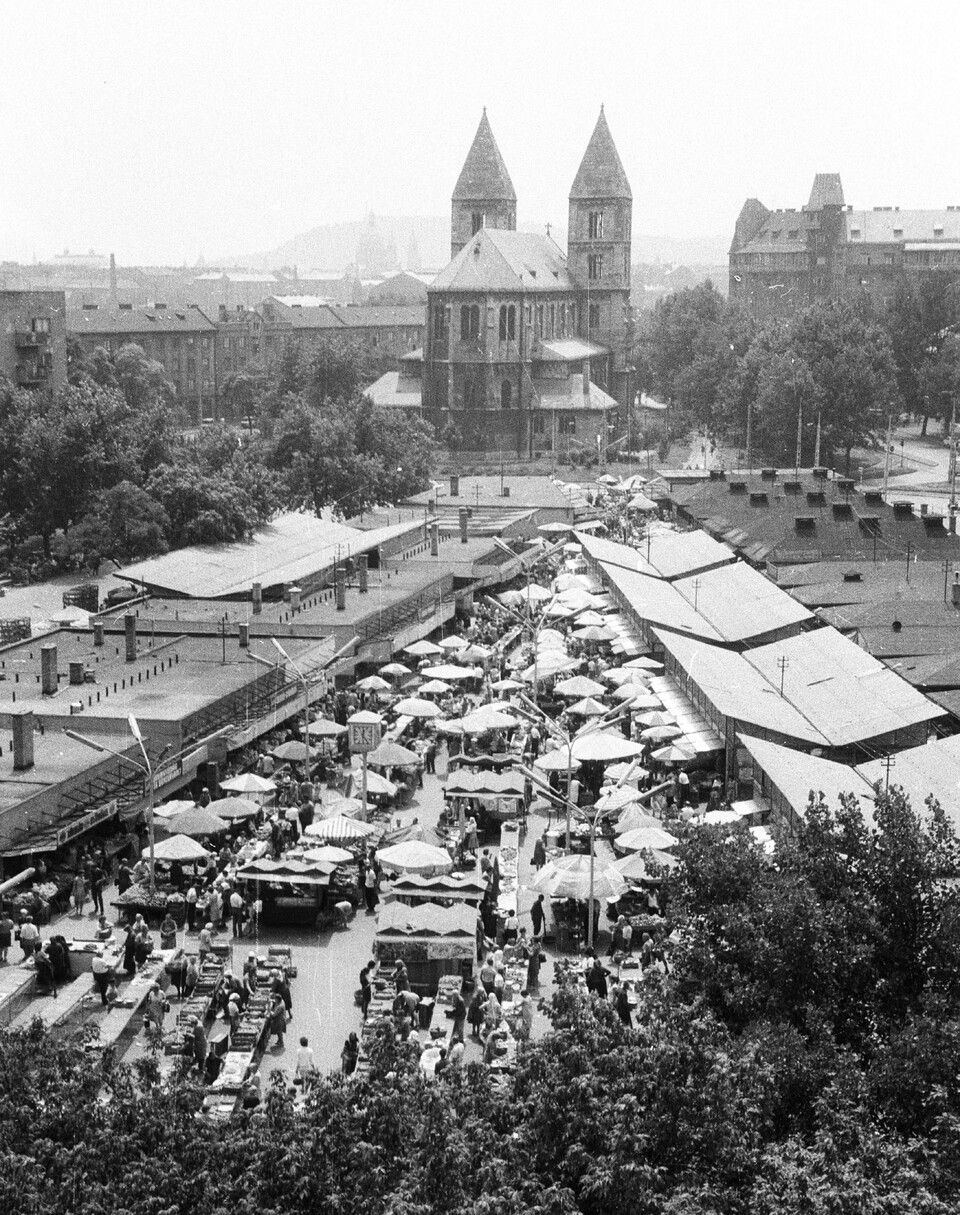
point(469, 322)
point(596, 225)
point(477, 221)
point(593, 316)
point(40, 324)
point(553, 320)
point(506, 395)
point(567, 425)
point(439, 322)
point(508, 322)
point(595, 265)
point(540, 312)
point(538, 427)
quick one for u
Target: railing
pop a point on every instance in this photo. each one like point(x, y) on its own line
point(391, 620)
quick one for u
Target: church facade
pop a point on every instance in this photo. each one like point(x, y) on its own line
point(526, 346)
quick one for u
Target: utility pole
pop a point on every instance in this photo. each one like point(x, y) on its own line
point(816, 449)
point(886, 456)
point(888, 762)
point(946, 576)
point(909, 551)
point(782, 662)
point(953, 466)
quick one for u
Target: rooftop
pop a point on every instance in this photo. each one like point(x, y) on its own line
point(484, 175)
point(669, 555)
point(525, 493)
point(292, 547)
point(122, 321)
point(496, 260)
point(601, 174)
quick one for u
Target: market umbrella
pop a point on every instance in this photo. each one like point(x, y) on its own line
point(373, 683)
point(637, 698)
point(412, 706)
point(170, 810)
point(247, 782)
point(483, 719)
point(550, 663)
point(634, 482)
point(606, 479)
point(622, 675)
point(550, 639)
point(660, 733)
point(347, 807)
point(535, 593)
point(556, 611)
point(474, 653)
point(293, 752)
point(656, 717)
point(434, 687)
point(626, 771)
point(504, 685)
point(234, 808)
point(375, 783)
point(395, 668)
point(673, 753)
point(644, 663)
point(588, 707)
point(339, 828)
point(328, 854)
point(588, 616)
point(449, 671)
point(632, 867)
point(452, 643)
point(569, 878)
point(578, 686)
point(555, 529)
point(321, 728)
point(555, 761)
point(602, 746)
point(197, 822)
point(392, 755)
point(635, 818)
point(422, 649)
point(595, 632)
point(415, 856)
point(178, 848)
point(641, 502)
point(510, 598)
point(646, 837)
point(617, 798)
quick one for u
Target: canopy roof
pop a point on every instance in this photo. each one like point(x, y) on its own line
point(427, 920)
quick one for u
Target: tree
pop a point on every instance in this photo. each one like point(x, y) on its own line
point(920, 315)
point(124, 524)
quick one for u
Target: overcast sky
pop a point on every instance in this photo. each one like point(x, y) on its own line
point(167, 130)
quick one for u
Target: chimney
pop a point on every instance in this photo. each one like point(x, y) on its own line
point(454, 485)
point(49, 680)
point(363, 572)
point(76, 672)
point(98, 632)
point(244, 634)
point(130, 635)
point(464, 516)
point(955, 591)
point(22, 724)
point(113, 281)
point(431, 506)
point(341, 588)
point(295, 599)
point(505, 492)
point(257, 592)
point(435, 538)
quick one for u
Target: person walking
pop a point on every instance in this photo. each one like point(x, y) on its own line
point(370, 889)
point(102, 972)
point(192, 897)
point(237, 909)
point(306, 1067)
point(205, 942)
point(78, 892)
point(6, 936)
point(539, 853)
point(98, 879)
point(538, 917)
point(29, 935)
point(350, 1054)
point(278, 1019)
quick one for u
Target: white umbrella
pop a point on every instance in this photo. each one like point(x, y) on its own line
point(505, 685)
point(395, 668)
point(412, 706)
point(595, 632)
point(637, 698)
point(328, 854)
point(643, 663)
point(616, 799)
point(392, 755)
point(452, 643)
point(656, 717)
point(626, 771)
point(375, 783)
point(321, 728)
point(604, 746)
point(579, 686)
point(535, 594)
point(422, 649)
point(589, 616)
point(550, 639)
point(72, 615)
point(641, 502)
point(483, 720)
point(448, 671)
point(435, 687)
point(588, 707)
point(247, 782)
point(660, 733)
point(373, 683)
point(231, 808)
point(632, 866)
point(674, 753)
point(634, 818)
point(622, 675)
point(569, 878)
point(556, 611)
point(178, 848)
point(646, 837)
point(555, 761)
point(170, 810)
point(339, 827)
point(606, 479)
point(550, 663)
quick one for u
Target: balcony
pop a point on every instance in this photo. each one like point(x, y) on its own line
point(26, 339)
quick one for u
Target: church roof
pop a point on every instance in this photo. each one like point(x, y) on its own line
point(484, 174)
point(601, 174)
point(497, 260)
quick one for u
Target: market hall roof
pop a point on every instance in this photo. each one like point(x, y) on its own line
point(494, 259)
point(601, 173)
point(669, 555)
point(291, 548)
point(484, 174)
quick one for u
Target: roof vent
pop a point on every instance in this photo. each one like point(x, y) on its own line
point(903, 510)
point(792, 487)
point(870, 524)
point(820, 473)
point(873, 497)
point(805, 523)
point(90, 307)
point(816, 497)
point(853, 576)
point(126, 307)
point(159, 307)
point(759, 499)
point(768, 474)
point(717, 474)
point(842, 510)
point(738, 487)
point(845, 485)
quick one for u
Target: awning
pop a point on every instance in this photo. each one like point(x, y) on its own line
point(52, 838)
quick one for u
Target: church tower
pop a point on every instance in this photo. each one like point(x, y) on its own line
point(484, 196)
point(598, 254)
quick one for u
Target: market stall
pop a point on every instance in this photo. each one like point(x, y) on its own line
point(431, 941)
point(293, 891)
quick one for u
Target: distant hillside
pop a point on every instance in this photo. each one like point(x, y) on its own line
point(426, 240)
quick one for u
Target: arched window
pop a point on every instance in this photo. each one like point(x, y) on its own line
point(506, 395)
point(512, 322)
point(469, 322)
point(503, 322)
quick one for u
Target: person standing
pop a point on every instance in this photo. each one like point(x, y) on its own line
point(98, 880)
point(215, 909)
point(459, 1015)
point(29, 935)
point(78, 892)
point(621, 1003)
point(192, 897)
point(350, 1054)
point(102, 972)
point(198, 1043)
point(539, 853)
point(538, 917)
point(306, 1067)
point(526, 1014)
point(205, 942)
point(278, 1019)
point(6, 936)
point(237, 908)
point(370, 888)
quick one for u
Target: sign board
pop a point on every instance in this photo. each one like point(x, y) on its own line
point(364, 736)
point(92, 819)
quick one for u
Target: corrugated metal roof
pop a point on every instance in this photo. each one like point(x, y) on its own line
point(669, 554)
point(933, 768)
point(292, 547)
point(796, 774)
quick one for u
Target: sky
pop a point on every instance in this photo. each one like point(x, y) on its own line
point(165, 132)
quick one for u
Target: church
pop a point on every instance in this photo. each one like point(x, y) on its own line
point(526, 347)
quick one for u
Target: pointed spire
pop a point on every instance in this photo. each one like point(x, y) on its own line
point(601, 174)
point(484, 174)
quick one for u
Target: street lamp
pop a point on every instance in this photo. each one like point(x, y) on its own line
point(146, 768)
point(525, 622)
point(297, 674)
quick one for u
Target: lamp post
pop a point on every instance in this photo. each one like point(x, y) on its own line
point(526, 623)
point(365, 731)
point(592, 816)
point(146, 768)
